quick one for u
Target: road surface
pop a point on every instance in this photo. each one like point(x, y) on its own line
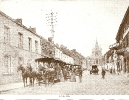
point(90, 85)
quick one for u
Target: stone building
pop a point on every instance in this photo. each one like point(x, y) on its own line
point(18, 45)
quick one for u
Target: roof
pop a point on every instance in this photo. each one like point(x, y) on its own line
point(13, 20)
point(120, 27)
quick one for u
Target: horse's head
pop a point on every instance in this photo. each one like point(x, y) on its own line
point(20, 68)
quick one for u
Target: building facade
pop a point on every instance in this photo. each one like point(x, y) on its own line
point(121, 47)
point(18, 45)
point(122, 38)
point(22, 45)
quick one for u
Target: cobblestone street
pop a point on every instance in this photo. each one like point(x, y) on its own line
point(91, 85)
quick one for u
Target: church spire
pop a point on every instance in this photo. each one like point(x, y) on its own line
point(96, 44)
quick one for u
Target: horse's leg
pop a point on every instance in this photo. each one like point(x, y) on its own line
point(33, 80)
point(24, 81)
point(48, 81)
point(45, 82)
point(30, 81)
point(52, 79)
point(39, 80)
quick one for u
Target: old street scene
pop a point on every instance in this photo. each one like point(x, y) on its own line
point(64, 47)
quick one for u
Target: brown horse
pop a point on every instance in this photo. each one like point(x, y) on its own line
point(27, 73)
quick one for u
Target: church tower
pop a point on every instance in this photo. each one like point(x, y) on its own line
point(96, 56)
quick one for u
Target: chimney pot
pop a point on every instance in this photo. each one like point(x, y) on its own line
point(19, 21)
point(32, 29)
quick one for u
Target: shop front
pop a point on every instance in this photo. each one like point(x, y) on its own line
point(123, 59)
point(126, 61)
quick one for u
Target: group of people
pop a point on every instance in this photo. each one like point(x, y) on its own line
point(62, 73)
point(72, 74)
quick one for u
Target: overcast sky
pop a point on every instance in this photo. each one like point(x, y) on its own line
point(79, 23)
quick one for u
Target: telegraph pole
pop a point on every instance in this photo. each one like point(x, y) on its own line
point(51, 21)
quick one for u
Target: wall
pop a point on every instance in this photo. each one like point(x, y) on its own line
point(11, 53)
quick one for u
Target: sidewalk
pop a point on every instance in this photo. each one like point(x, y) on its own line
point(11, 86)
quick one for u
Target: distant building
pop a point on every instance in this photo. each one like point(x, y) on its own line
point(96, 56)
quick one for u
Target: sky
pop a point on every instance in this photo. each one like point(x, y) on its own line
point(79, 22)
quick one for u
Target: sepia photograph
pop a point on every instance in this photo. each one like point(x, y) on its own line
point(63, 49)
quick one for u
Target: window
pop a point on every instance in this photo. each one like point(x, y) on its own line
point(36, 46)
point(6, 64)
point(6, 34)
point(20, 40)
point(30, 44)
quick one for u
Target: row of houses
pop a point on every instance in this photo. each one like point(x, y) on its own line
point(118, 55)
point(22, 45)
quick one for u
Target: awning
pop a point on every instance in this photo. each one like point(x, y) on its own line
point(44, 59)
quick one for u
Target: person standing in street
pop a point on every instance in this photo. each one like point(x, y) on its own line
point(80, 74)
point(103, 73)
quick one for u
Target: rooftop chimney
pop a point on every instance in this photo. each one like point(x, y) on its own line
point(32, 29)
point(19, 21)
point(50, 39)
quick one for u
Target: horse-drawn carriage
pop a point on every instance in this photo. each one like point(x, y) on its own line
point(94, 69)
point(49, 70)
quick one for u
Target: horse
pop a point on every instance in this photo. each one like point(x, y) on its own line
point(49, 76)
point(27, 73)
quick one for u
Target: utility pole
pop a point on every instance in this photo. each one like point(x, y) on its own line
point(51, 21)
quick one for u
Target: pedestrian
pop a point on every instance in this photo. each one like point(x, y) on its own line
point(73, 76)
point(103, 73)
point(80, 74)
point(111, 70)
